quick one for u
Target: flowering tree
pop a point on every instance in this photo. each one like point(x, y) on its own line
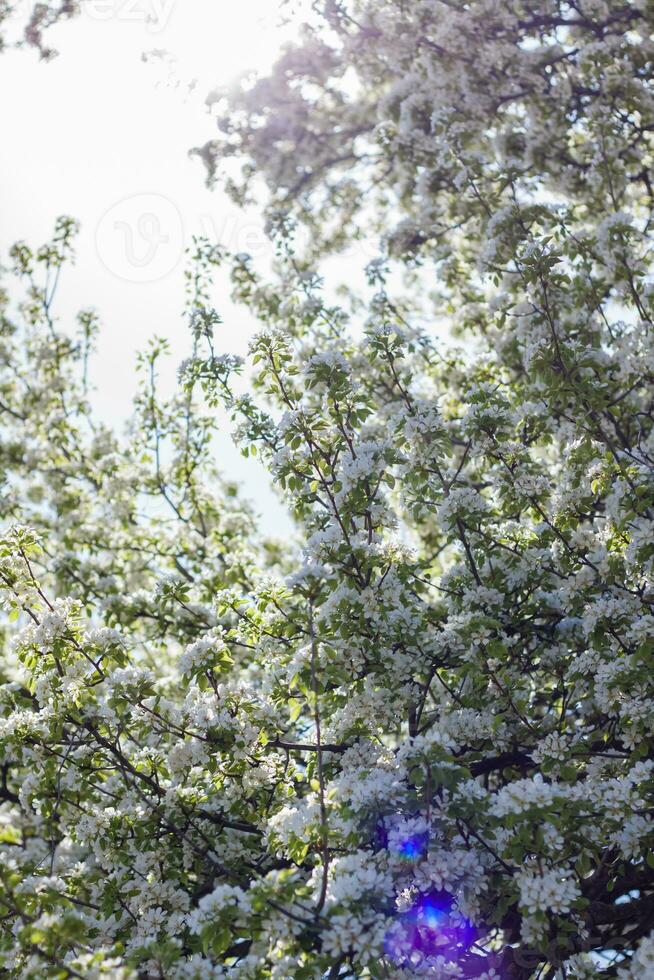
point(422, 744)
point(34, 20)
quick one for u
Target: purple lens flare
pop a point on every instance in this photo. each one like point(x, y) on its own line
point(412, 848)
point(432, 927)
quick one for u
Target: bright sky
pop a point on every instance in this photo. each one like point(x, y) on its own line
point(102, 136)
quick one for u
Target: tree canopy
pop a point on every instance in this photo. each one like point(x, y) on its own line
point(420, 741)
point(32, 21)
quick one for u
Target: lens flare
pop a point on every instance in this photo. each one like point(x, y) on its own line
point(413, 848)
point(432, 927)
